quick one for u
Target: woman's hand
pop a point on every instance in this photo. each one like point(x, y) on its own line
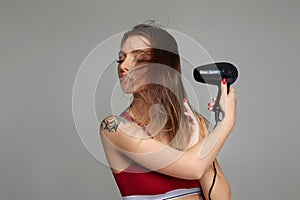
point(227, 102)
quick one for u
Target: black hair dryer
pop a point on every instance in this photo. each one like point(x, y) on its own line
point(212, 74)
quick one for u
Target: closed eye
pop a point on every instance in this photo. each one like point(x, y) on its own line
point(122, 57)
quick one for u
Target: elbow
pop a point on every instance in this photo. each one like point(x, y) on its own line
point(198, 174)
point(192, 174)
point(227, 196)
point(225, 190)
point(229, 191)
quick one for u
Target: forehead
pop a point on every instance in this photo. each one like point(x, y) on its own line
point(134, 43)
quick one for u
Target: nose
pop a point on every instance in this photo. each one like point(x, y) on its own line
point(127, 64)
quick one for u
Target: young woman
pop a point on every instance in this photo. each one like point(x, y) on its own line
point(160, 148)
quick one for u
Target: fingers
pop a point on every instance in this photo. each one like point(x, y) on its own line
point(223, 94)
point(189, 115)
point(231, 89)
point(212, 103)
point(210, 108)
point(227, 100)
point(187, 107)
point(224, 86)
point(188, 111)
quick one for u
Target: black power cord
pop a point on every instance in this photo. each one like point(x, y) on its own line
point(214, 180)
point(217, 119)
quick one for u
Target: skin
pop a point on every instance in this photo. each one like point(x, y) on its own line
point(221, 187)
point(120, 145)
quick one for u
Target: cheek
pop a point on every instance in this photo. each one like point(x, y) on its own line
point(119, 70)
point(135, 80)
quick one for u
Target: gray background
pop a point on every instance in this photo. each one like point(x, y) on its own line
point(43, 43)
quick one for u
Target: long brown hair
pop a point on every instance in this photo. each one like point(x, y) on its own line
point(170, 92)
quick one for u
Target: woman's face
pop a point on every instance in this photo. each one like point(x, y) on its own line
point(132, 55)
point(131, 50)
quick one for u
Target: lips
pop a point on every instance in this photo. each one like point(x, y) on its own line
point(123, 74)
point(124, 78)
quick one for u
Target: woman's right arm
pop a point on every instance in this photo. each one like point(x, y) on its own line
point(132, 141)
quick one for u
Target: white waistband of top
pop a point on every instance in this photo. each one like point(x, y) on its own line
point(174, 194)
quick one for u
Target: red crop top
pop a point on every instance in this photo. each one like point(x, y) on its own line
point(137, 180)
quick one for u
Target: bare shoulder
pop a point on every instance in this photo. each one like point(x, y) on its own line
point(109, 129)
point(121, 132)
point(111, 123)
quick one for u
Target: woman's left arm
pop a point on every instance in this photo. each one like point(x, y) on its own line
point(221, 189)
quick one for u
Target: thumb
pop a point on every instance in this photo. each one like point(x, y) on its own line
point(224, 86)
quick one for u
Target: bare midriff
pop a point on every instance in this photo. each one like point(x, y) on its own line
point(191, 197)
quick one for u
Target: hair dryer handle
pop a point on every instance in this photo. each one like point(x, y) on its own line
point(216, 107)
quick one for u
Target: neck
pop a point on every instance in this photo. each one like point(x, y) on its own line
point(139, 109)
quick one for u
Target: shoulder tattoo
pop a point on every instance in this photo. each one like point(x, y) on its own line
point(111, 123)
